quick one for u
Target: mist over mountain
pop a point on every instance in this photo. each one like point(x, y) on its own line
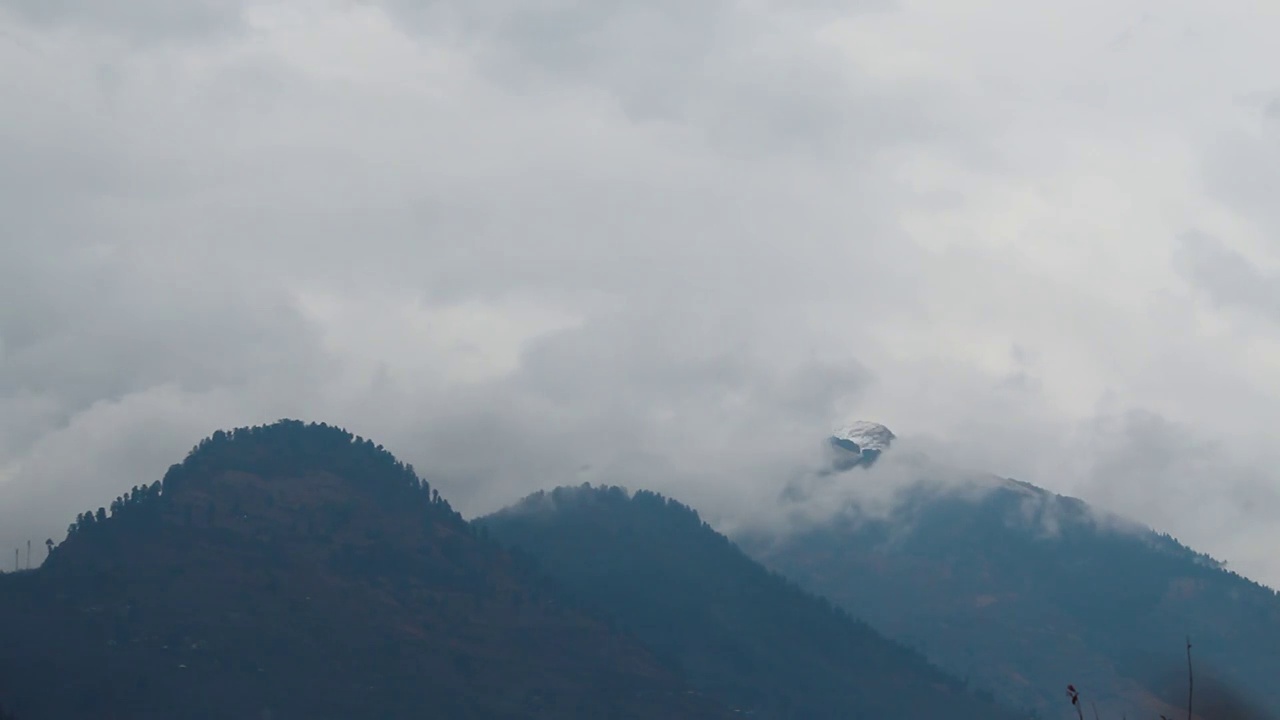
point(659, 245)
point(296, 570)
point(1024, 591)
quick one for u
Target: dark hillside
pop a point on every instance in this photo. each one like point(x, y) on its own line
point(1024, 591)
point(739, 633)
point(296, 571)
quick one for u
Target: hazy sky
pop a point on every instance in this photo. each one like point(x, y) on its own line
point(665, 243)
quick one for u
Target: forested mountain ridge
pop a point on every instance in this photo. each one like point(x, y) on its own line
point(295, 570)
point(738, 632)
point(1024, 591)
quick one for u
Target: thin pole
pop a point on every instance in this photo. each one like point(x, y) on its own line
point(1190, 679)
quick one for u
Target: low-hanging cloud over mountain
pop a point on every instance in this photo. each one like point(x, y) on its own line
point(665, 244)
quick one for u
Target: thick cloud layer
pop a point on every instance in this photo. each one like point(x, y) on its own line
point(664, 244)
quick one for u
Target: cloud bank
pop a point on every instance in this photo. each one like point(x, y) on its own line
point(663, 244)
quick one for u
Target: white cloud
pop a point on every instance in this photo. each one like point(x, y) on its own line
point(658, 241)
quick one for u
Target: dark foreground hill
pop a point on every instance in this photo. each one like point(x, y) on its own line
point(739, 633)
point(1025, 591)
point(296, 571)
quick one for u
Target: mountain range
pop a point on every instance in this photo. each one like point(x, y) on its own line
point(298, 571)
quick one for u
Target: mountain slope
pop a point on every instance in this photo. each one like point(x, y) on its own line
point(1024, 591)
point(295, 571)
point(738, 632)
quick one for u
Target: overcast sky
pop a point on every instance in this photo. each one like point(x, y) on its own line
point(663, 243)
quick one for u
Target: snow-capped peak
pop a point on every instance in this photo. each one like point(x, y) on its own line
point(866, 435)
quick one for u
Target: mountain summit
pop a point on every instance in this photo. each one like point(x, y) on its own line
point(865, 434)
point(859, 443)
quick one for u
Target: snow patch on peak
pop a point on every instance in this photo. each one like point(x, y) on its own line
point(866, 435)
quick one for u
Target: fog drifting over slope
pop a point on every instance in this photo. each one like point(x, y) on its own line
point(659, 244)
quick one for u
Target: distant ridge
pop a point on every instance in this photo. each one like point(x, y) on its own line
point(1023, 590)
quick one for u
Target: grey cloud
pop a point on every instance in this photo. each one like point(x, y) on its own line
point(1242, 169)
point(139, 20)
point(601, 217)
point(113, 390)
point(1228, 277)
point(93, 323)
point(754, 81)
point(671, 403)
point(1173, 477)
point(1271, 107)
point(737, 214)
point(158, 250)
point(596, 41)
